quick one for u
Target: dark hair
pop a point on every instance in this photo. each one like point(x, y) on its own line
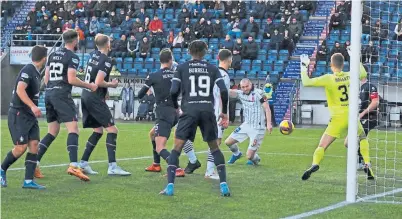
point(224, 54)
point(198, 49)
point(38, 53)
point(101, 40)
point(165, 56)
point(70, 35)
point(337, 60)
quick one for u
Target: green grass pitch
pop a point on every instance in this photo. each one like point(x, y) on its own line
point(272, 190)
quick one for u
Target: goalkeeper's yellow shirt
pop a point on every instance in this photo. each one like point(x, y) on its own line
point(336, 89)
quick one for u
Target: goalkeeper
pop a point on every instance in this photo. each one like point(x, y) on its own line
point(337, 91)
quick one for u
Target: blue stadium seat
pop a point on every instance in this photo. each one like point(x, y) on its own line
point(132, 71)
point(128, 60)
point(262, 54)
point(278, 66)
point(149, 63)
point(283, 55)
point(138, 63)
point(240, 74)
point(142, 73)
point(256, 65)
point(252, 74)
point(231, 73)
point(262, 75)
point(155, 50)
point(267, 66)
point(246, 64)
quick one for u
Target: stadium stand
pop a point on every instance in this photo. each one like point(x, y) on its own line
point(267, 50)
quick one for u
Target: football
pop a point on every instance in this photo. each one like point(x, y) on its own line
point(286, 127)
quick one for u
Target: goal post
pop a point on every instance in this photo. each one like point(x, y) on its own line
point(355, 45)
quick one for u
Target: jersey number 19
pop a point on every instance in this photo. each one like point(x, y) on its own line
point(203, 88)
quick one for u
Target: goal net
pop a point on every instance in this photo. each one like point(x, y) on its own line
point(381, 53)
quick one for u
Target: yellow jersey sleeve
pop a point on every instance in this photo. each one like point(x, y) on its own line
point(321, 81)
point(363, 72)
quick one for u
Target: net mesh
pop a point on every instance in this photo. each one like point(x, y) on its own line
point(382, 55)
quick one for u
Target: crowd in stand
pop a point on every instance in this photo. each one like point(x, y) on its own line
point(141, 31)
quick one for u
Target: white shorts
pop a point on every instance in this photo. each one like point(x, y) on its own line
point(245, 131)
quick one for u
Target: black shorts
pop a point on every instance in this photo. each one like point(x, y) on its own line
point(23, 127)
point(166, 119)
point(188, 123)
point(60, 108)
point(95, 112)
point(368, 125)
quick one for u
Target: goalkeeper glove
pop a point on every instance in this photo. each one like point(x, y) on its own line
point(304, 61)
point(268, 91)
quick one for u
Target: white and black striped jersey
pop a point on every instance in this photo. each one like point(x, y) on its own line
point(217, 93)
point(253, 111)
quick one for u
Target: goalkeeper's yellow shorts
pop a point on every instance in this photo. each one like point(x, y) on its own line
point(338, 126)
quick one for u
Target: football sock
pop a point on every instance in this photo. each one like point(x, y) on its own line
point(30, 165)
point(157, 158)
point(189, 150)
point(8, 161)
point(112, 165)
point(111, 146)
point(164, 154)
point(172, 165)
point(360, 156)
point(220, 164)
point(235, 149)
point(364, 150)
point(318, 155)
point(210, 163)
point(44, 144)
point(90, 146)
point(72, 147)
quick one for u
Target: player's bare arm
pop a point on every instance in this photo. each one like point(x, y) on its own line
point(233, 94)
point(224, 99)
point(267, 116)
point(75, 81)
point(47, 75)
point(100, 81)
point(21, 92)
point(372, 107)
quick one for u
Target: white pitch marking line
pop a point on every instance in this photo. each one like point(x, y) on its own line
point(341, 205)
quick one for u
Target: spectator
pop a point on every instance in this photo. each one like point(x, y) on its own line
point(366, 29)
point(234, 28)
point(370, 53)
point(53, 7)
point(259, 10)
point(186, 24)
point(132, 46)
point(152, 4)
point(204, 14)
point(208, 30)
point(197, 8)
point(38, 5)
point(42, 13)
point(272, 10)
point(90, 8)
point(32, 14)
point(63, 15)
point(291, 6)
point(287, 15)
point(72, 16)
point(29, 39)
point(138, 5)
point(69, 5)
point(250, 49)
point(48, 36)
point(237, 54)
point(145, 48)
point(268, 29)
point(343, 9)
point(233, 15)
point(178, 41)
point(114, 20)
point(398, 30)
point(182, 17)
point(44, 23)
point(306, 5)
point(229, 6)
point(219, 8)
point(336, 22)
point(17, 37)
point(296, 15)
point(146, 24)
point(170, 38)
point(141, 14)
point(346, 54)
point(68, 25)
point(111, 7)
point(127, 105)
point(29, 22)
point(295, 30)
point(140, 34)
point(217, 29)
point(100, 8)
point(156, 25)
point(126, 25)
point(241, 9)
point(80, 11)
point(188, 37)
point(338, 49)
point(55, 23)
point(120, 47)
point(227, 43)
point(187, 5)
point(287, 42)
point(322, 52)
point(136, 25)
point(282, 26)
point(379, 31)
point(199, 28)
point(94, 26)
point(81, 36)
point(250, 29)
point(276, 40)
point(85, 27)
point(158, 39)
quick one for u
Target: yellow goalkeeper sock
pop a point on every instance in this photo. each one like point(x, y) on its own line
point(318, 155)
point(364, 150)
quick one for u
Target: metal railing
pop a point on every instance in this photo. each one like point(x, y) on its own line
point(37, 39)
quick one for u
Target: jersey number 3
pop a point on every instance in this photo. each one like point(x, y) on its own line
point(344, 91)
point(55, 71)
point(204, 86)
